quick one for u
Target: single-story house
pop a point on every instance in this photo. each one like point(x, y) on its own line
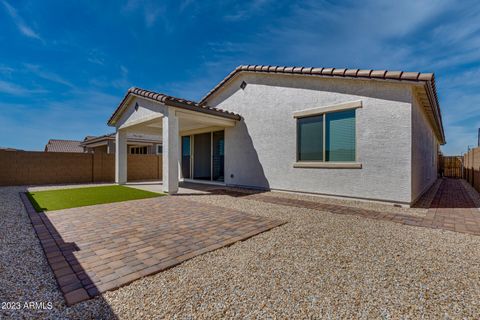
point(136, 144)
point(364, 134)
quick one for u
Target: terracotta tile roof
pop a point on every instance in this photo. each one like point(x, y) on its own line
point(111, 136)
point(427, 78)
point(329, 72)
point(55, 145)
point(172, 101)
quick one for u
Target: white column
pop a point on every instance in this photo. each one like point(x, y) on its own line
point(121, 157)
point(171, 151)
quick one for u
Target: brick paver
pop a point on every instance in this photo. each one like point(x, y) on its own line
point(98, 248)
point(451, 209)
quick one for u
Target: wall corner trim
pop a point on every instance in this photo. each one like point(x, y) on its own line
point(331, 108)
point(327, 165)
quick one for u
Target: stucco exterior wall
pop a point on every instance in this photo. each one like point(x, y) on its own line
point(145, 110)
point(260, 150)
point(424, 151)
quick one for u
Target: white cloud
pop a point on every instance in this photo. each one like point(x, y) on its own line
point(17, 90)
point(152, 12)
point(47, 75)
point(245, 10)
point(20, 23)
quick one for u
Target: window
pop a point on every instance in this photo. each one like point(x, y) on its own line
point(159, 149)
point(328, 137)
point(138, 150)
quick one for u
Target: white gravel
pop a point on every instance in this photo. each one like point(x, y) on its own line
point(318, 265)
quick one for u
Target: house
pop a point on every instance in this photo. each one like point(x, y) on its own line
point(362, 134)
point(137, 144)
point(57, 145)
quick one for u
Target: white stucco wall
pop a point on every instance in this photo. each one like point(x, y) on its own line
point(260, 151)
point(145, 110)
point(424, 151)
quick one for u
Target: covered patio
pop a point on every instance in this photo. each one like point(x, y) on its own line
point(193, 136)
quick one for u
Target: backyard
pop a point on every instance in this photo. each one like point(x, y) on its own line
point(330, 258)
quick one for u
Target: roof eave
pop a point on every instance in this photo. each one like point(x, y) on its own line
point(170, 102)
point(415, 78)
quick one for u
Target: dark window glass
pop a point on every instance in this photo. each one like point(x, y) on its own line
point(218, 156)
point(340, 136)
point(310, 138)
point(185, 157)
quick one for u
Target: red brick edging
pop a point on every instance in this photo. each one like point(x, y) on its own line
point(59, 255)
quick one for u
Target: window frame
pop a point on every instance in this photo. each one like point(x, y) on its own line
point(323, 111)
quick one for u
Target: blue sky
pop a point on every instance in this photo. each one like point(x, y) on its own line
point(65, 65)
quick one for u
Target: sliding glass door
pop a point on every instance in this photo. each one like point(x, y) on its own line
point(203, 156)
point(186, 159)
point(202, 147)
point(218, 158)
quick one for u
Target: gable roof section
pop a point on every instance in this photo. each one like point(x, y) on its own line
point(111, 136)
point(169, 101)
point(428, 79)
point(55, 145)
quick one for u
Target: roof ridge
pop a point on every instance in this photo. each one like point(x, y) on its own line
point(321, 71)
point(69, 140)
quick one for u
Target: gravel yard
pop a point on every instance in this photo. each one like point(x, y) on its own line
point(317, 265)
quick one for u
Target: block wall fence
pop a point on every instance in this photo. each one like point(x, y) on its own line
point(39, 168)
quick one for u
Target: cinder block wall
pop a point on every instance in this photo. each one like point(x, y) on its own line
point(471, 167)
point(37, 168)
point(144, 167)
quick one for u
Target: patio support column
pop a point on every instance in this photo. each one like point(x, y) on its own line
point(121, 157)
point(170, 136)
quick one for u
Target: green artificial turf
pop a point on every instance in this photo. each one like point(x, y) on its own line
point(79, 197)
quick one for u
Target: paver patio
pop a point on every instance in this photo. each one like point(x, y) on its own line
point(98, 248)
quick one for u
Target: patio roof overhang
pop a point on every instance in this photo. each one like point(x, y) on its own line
point(186, 105)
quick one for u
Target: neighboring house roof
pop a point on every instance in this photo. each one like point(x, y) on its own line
point(9, 149)
point(55, 145)
point(170, 101)
point(427, 78)
point(111, 136)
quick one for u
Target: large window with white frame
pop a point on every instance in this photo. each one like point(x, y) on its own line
point(327, 137)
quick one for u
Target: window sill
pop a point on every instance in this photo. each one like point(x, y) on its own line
point(333, 165)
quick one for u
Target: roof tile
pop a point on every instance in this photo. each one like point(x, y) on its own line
point(297, 69)
point(426, 77)
point(351, 72)
point(364, 73)
point(327, 71)
point(378, 74)
point(339, 72)
point(393, 75)
point(410, 75)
